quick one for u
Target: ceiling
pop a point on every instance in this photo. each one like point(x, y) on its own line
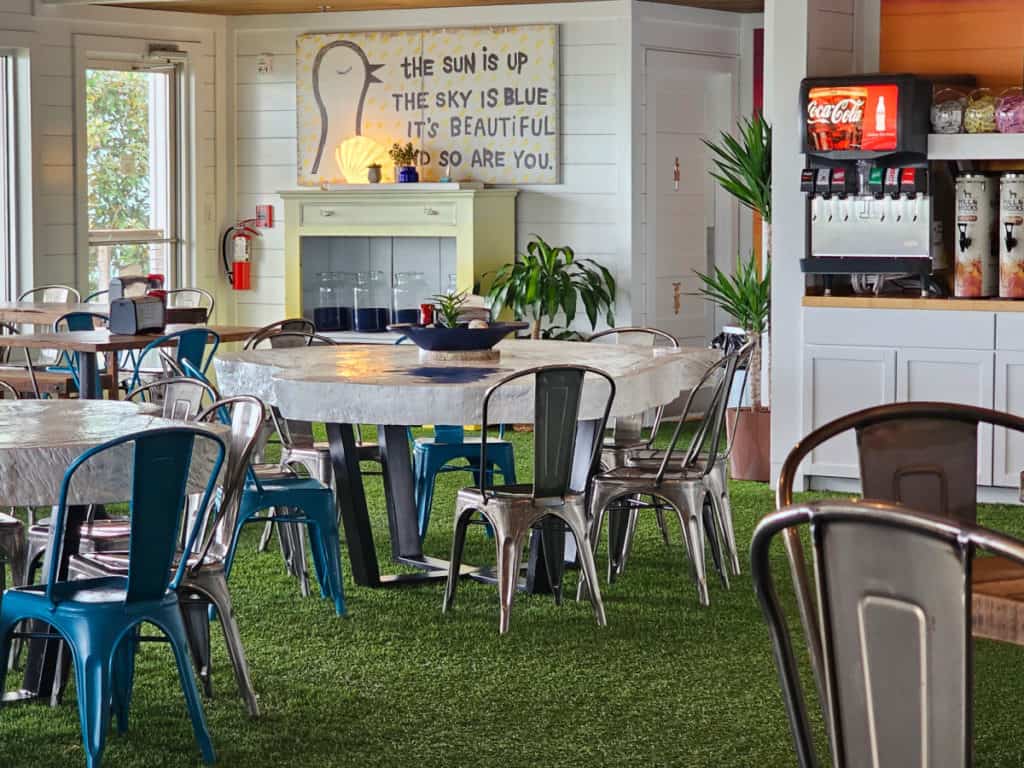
point(247, 7)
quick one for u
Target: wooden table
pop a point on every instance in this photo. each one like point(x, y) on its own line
point(46, 313)
point(998, 599)
point(88, 344)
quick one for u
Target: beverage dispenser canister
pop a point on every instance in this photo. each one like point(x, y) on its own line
point(977, 262)
point(1011, 223)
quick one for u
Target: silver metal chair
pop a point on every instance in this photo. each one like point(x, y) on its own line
point(627, 436)
point(101, 296)
point(919, 454)
point(52, 294)
point(718, 472)
point(205, 583)
point(513, 511)
point(894, 600)
point(686, 488)
point(298, 324)
point(191, 297)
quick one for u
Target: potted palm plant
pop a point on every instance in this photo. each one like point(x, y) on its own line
point(746, 297)
point(743, 168)
point(548, 280)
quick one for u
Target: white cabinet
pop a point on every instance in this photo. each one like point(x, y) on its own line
point(951, 376)
point(838, 380)
point(1008, 447)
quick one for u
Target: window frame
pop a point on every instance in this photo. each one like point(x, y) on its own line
point(18, 48)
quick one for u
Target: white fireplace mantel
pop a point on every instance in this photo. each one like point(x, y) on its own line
point(482, 222)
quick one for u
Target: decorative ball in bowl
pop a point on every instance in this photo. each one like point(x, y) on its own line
point(462, 338)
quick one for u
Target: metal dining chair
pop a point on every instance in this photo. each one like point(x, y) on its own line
point(298, 324)
point(513, 511)
point(192, 297)
point(204, 582)
point(685, 488)
point(101, 296)
point(894, 600)
point(197, 345)
point(52, 294)
point(68, 362)
point(627, 437)
point(99, 617)
point(920, 454)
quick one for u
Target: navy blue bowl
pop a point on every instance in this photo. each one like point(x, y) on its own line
point(461, 339)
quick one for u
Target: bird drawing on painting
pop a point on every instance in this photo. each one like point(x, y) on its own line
point(342, 72)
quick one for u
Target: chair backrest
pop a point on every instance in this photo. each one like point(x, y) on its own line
point(558, 392)
point(708, 441)
point(163, 471)
point(894, 600)
point(7, 392)
point(52, 294)
point(299, 324)
point(97, 297)
point(191, 297)
point(631, 427)
point(80, 321)
point(292, 340)
point(196, 345)
point(246, 415)
point(180, 397)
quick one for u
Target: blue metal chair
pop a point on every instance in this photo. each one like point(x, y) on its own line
point(196, 345)
point(295, 500)
point(99, 618)
point(432, 455)
point(75, 321)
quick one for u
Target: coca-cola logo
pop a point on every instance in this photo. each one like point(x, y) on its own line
point(842, 112)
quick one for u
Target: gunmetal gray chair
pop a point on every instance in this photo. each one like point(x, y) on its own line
point(919, 454)
point(514, 510)
point(894, 600)
point(295, 324)
point(191, 297)
point(686, 487)
point(52, 294)
point(627, 437)
point(204, 582)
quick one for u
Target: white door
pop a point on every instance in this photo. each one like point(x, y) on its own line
point(690, 223)
point(952, 376)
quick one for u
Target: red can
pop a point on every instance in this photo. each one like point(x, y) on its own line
point(426, 314)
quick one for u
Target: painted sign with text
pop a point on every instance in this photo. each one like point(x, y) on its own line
point(482, 102)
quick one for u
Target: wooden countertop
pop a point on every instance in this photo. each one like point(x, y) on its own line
point(910, 302)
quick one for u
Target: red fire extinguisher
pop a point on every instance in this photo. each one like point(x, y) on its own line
point(236, 252)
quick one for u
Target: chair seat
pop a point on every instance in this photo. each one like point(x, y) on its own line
point(84, 592)
point(511, 495)
point(97, 530)
point(116, 563)
point(7, 521)
point(426, 442)
point(624, 444)
point(292, 484)
point(648, 475)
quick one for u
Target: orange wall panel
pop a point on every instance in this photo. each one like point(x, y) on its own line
point(978, 37)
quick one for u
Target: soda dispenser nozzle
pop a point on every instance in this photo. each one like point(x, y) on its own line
point(1011, 241)
point(965, 241)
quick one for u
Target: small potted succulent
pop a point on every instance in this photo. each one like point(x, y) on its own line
point(405, 163)
point(450, 333)
point(373, 174)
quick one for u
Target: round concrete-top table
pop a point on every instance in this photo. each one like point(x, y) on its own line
point(389, 385)
point(40, 438)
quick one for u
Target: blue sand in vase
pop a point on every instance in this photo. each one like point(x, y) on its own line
point(407, 315)
point(371, 319)
point(333, 318)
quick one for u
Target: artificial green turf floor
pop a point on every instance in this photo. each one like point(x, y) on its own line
point(396, 683)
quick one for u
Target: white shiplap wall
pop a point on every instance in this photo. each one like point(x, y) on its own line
point(51, 34)
point(588, 210)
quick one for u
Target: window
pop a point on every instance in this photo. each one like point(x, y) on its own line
point(7, 211)
point(132, 161)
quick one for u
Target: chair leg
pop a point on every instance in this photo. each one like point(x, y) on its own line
point(618, 526)
point(195, 616)
point(326, 547)
point(716, 537)
point(455, 561)
point(595, 519)
point(588, 568)
point(123, 677)
point(174, 628)
point(425, 495)
point(92, 681)
point(688, 501)
point(510, 549)
point(268, 531)
point(216, 588)
point(659, 513)
point(554, 556)
point(718, 485)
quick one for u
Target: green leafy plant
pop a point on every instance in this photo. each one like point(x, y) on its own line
point(449, 307)
point(744, 164)
point(547, 280)
point(404, 156)
point(747, 298)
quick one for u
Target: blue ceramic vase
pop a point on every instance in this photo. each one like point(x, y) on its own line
point(407, 174)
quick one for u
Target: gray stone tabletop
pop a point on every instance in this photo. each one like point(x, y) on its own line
point(40, 438)
point(374, 384)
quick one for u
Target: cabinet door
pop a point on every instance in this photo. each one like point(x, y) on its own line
point(837, 381)
point(951, 376)
point(1008, 447)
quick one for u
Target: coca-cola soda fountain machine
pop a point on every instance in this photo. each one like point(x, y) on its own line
point(876, 209)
